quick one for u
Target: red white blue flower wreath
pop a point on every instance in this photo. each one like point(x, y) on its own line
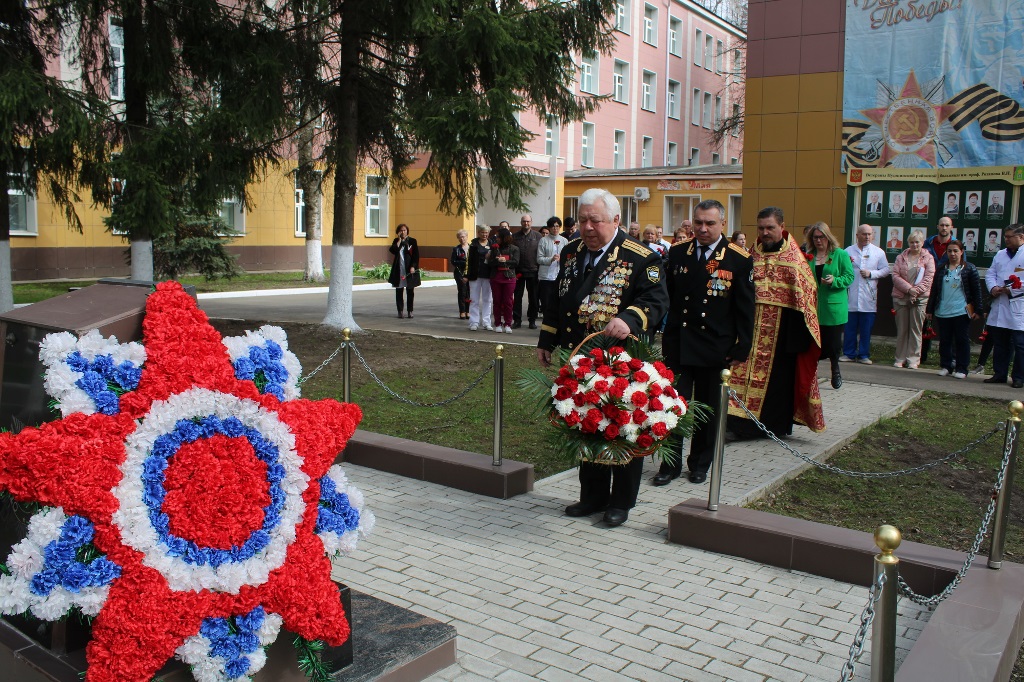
point(191, 504)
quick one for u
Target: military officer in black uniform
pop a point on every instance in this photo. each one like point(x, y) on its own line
point(710, 324)
point(607, 281)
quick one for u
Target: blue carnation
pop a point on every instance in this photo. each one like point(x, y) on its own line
point(77, 530)
point(107, 402)
point(187, 430)
point(225, 647)
point(274, 351)
point(127, 376)
point(214, 628)
point(245, 369)
point(103, 571)
point(58, 554)
point(44, 581)
point(233, 427)
point(327, 488)
point(92, 383)
point(275, 390)
point(75, 577)
point(77, 362)
point(165, 446)
point(259, 356)
point(103, 365)
point(237, 667)
point(252, 621)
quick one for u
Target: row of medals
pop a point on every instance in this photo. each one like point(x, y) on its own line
point(603, 302)
point(717, 284)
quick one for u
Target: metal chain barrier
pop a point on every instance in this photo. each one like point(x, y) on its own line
point(866, 617)
point(323, 364)
point(469, 387)
point(864, 474)
point(933, 601)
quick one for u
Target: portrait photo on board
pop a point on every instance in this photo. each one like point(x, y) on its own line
point(952, 203)
point(991, 241)
point(971, 240)
point(897, 204)
point(874, 205)
point(972, 209)
point(894, 239)
point(919, 209)
point(995, 203)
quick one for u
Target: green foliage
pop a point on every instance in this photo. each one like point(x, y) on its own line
point(196, 245)
point(310, 658)
point(381, 271)
point(357, 267)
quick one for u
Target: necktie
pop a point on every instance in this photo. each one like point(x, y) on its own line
point(591, 262)
point(702, 255)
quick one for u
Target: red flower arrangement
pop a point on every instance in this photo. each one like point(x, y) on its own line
point(83, 463)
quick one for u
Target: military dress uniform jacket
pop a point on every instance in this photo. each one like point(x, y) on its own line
point(712, 313)
point(627, 283)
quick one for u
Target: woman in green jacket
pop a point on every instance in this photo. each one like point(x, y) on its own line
point(833, 270)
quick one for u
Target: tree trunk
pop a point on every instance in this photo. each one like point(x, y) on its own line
point(6, 290)
point(309, 185)
point(136, 123)
point(345, 152)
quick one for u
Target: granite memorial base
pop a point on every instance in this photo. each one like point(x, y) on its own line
point(388, 643)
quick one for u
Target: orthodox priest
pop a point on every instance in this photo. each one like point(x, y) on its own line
point(778, 383)
point(607, 281)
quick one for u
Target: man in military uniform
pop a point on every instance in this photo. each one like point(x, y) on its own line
point(710, 324)
point(612, 283)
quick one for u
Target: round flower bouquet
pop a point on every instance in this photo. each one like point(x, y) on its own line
point(190, 505)
point(612, 403)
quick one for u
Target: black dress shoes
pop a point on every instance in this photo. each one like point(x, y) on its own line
point(664, 479)
point(616, 517)
point(1017, 383)
point(582, 509)
point(837, 379)
point(517, 325)
point(533, 325)
point(698, 476)
point(995, 380)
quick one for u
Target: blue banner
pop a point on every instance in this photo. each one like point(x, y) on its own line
point(933, 83)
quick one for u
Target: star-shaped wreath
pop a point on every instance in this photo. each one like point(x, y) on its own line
point(190, 498)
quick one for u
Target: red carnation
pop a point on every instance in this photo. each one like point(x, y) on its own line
point(594, 415)
point(622, 417)
point(601, 386)
point(621, 369)
point(580, 372)
point(609, 411)
point(597, 354)
point(565, 371)
point(656, 404)
point(584, 362)
point(639, 416)
point(588, 426)
point(659, 430)
point(669, 375)
point(641, 376)
point(616, 392)
point(644, 441)
point(571, 384)
point(563, 393)
point(616, 350)
point(621, 383)
point(604, 370)
point(660, 366)
point(639, 398)
point(579, 400)
point(655, 390)
point(635, 364)
point(611, 432)
point(671, 392)
point(572, 419)
point(592, 397)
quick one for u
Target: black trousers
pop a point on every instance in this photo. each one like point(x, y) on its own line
point(398, 297)
point(701, 384)
point(462, 291)
point(527, 283)
point(614, 486)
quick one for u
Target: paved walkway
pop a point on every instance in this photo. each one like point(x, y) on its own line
point(537, 595)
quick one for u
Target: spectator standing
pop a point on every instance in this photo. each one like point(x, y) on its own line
point(460, 256)
point(912, 277)
point(739, 239)
point(504, 260)
point(661, 240)
point(405, 268)
point(833, 271)
point(651, 241)
point(479, 275)
point(548, 251)
point(526, 241)
point(871, 265)
point(569, 231)
point(954, 301)
point(1006, 315)
point(634, 230)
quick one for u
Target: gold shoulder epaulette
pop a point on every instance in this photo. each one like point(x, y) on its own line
point(684, 242)
point(636, 247)
point(738, 249)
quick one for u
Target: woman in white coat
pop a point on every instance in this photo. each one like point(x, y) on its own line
point(869, 265)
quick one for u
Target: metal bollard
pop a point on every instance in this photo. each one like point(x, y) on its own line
point(716, 467)
point(883, 634)
point(499, 401)
point(346, 365)
point(995, 555)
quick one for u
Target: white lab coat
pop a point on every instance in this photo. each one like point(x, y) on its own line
point(1006, 312)
point(863, 293)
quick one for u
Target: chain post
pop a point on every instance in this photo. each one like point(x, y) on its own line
point(883, 633)
point(346, 365)
point(995, 555)
point(716, 467)
point(499, 401)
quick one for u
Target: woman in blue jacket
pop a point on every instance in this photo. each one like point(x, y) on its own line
point(955, 300)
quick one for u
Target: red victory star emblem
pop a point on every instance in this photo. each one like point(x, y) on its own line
point(203, 488)
point(910, 123)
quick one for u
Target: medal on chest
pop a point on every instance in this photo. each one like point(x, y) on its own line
point(601, 305)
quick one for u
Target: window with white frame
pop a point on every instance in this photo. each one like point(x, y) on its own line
point(588, 74)
point(647, 153)
point(619, 149)
point(716, 158)
point(675, 93)
point(627, 209)
point(116, 38)
point(718, 110)
point(376, 199)
point(232, 214)
point(694, 156)
point(695, 107)
point(698, 48)
point(737, 60)
point(622, 15)
point(300, 203)
point(620, 82)
point(650, 87)
point(719, 56)
point(650, 24)
point(675, 37)
point(21, 209)
point(587, 146)
point(707, 110)
point(709, 52)
point(673, 153)
point(549, 135)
